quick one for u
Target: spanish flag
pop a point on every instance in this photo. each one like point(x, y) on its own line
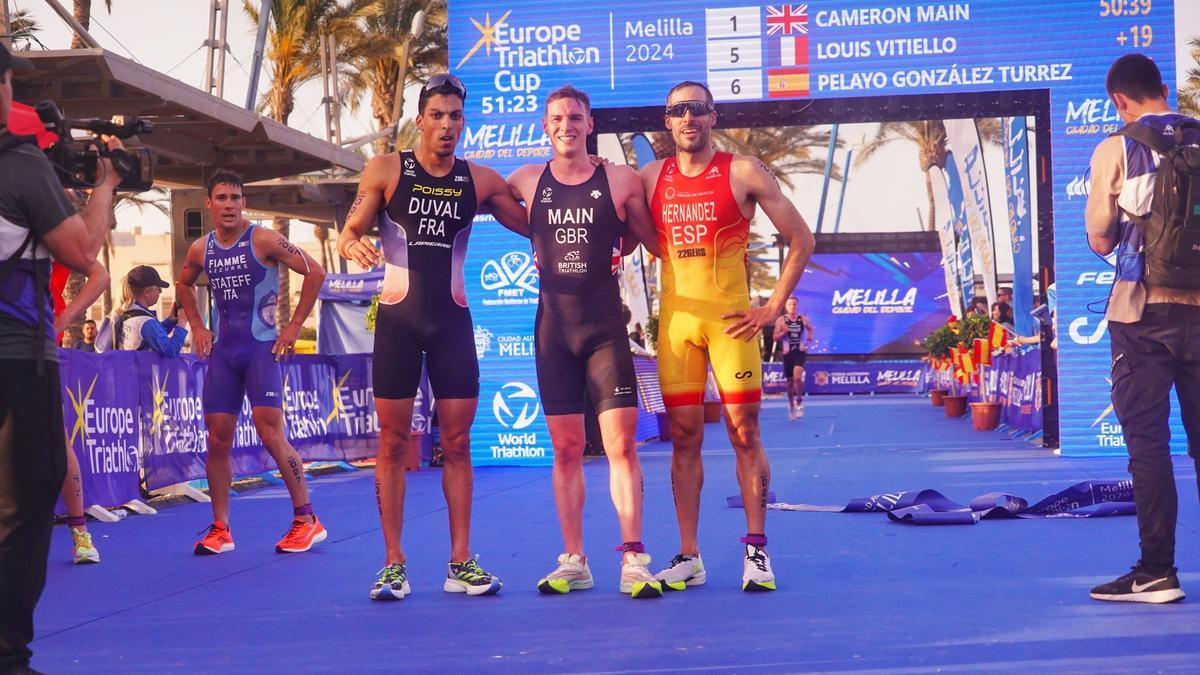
point(968, 361)
point(953, 324)
point(787, 82)
point(997, 336)
point(983, 352)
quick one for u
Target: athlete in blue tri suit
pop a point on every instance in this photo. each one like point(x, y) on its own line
point(242, 263)
point(424, 201)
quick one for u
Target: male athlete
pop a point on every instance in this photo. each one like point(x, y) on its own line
point(796, 333)
point(579, 214)
point(424, 201)
point(702, 204)
point(242, 263)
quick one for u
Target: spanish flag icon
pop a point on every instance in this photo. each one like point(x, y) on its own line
point(787, 82)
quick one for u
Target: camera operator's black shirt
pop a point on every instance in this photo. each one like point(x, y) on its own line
point(30, 197)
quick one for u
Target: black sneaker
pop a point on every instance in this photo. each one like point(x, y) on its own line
point(1141, 586)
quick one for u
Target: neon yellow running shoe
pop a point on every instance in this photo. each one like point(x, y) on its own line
point(572, 574)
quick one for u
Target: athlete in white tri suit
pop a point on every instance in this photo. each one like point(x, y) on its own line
point(796, 333)
point(424, 201)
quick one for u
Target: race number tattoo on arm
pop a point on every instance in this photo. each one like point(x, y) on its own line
point(358, 200)
point(768, 171)
point(288, 246)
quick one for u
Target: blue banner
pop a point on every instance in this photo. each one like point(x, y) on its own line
point(958, 213)
point(100, 412)
point(1089, 499)
point(1014, 133)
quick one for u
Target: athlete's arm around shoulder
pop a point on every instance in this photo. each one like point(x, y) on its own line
point(626, 186)
point(496, 197)
point(381, 172)
point(522, 183)
point(649, 176)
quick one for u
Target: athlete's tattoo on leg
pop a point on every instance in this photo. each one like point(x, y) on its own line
point(378, 497)
point(764, 482)
point(296, 471)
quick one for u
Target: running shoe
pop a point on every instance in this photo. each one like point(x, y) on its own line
point(636, 579)
point(1139, 585)
point(684, 571)
point(468, 577)
point(392, 584)
point(756, 573)
point(799, 410)
point(302, 536)
point(791, 413)
point(85, 552)
point(216, 540)
point(572, 574)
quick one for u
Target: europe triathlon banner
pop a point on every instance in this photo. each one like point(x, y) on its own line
point(835, 377)
point(1089, 499)
point(100, 413)
point(1014, 134)
point(627, 55)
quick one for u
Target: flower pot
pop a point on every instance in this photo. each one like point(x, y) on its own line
point(985, 416)
point(936, 397)
point(956, 406)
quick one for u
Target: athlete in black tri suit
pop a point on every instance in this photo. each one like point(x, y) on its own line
point(579, 215)
point(424, 201)
point(795, 332)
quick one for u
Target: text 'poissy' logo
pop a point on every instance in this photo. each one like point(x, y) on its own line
point(512, 277)
point(874, 301)
point(516, 405)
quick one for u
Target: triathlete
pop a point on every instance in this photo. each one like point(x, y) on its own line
point(579, 216)
point(702, 204)
point(424, 201)
point(242, 263)
point(796, 333)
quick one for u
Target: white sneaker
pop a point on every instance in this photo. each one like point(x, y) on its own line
point(85, 551)
point(791, 412)
point(756, 572)
point(684, 571)
point(799, 411)
point(636, 579)
point(572, 574)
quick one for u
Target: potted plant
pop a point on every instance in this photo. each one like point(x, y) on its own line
point(938, 345)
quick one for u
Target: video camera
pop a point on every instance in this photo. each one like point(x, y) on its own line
point(77, 160)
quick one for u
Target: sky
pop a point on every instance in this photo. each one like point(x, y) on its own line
point(883, 194)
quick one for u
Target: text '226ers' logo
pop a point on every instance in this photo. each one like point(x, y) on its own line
point(515, 405)
point(512, 269)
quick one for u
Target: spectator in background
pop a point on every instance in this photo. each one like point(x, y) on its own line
point(1003, 315)
point(135, 326)
point(89, 337)
point(1004, 294)
point(980, 306)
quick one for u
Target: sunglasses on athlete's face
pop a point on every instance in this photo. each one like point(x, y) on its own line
point(446, 79)
point(697, 108)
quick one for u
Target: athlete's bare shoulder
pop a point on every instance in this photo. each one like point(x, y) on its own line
point(649, 174)
point(524, 179)
point(381, 170)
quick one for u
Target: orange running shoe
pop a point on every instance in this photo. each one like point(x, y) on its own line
point(216, 540)
point(302, 536)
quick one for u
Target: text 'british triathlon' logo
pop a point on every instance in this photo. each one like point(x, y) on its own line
point(514, 271)
point(515, 405)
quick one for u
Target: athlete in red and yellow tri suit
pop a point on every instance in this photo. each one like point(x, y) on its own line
point(703, 234)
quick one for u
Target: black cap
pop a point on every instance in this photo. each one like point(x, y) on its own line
point(8, 61)
point(144, 276)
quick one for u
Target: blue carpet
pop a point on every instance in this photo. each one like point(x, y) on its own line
point(857, 593)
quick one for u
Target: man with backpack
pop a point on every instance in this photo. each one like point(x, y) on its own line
point(1145, 205)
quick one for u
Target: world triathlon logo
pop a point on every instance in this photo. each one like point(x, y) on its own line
point(515, 406)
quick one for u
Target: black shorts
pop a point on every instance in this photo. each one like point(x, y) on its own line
point(792, 360)
point(447, 345)
point(573, 358)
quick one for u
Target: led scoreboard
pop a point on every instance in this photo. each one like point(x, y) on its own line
point(627, 55)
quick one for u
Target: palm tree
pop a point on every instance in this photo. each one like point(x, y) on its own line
point(23, 28)
point(293, 58)
point(374, 52)
point(83, 14)
point(930, 138)
point(1189, 95)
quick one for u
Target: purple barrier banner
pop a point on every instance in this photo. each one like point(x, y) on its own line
point(839, 377)
point(309, 388)
point(1022, 390)
point(100, 412)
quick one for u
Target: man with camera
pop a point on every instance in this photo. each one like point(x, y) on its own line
point(37, 223)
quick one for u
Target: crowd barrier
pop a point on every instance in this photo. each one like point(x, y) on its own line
point(1014, 380)
point(847, 377)
point(129, 412)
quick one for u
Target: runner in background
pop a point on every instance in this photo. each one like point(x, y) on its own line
point(795, 333)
